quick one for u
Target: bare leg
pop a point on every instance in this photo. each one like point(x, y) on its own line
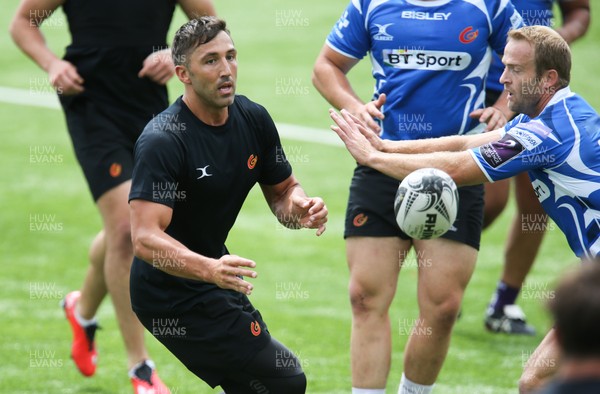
point(444, 272)
point(374, 267)
point(94, 286)
point(119, 254)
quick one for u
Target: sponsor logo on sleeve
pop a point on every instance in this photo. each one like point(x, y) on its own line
point(341, 24)
point(526, 138)
point(501, 152)
point(408, 59)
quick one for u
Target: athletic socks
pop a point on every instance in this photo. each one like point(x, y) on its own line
point(504, 295)
point(408, 387)
point(84, 322)
point(367, 391)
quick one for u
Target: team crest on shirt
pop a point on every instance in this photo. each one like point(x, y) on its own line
point(252, 161)
point(255, 328)
point(467, 36)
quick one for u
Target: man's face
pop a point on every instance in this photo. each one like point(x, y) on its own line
point(520, 78)
point(212, 69)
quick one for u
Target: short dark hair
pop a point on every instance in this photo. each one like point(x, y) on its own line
point(194, 33)
point(576, 311)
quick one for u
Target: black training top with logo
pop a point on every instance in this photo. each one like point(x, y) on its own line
point(204, 173)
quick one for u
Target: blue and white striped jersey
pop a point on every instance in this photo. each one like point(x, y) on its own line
point(560, 149)
point(430, 58)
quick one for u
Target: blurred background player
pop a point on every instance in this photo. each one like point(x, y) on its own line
point(429, 60)
point(575, 309)
point(226, 341)
point(111, 82)
point(529, 223)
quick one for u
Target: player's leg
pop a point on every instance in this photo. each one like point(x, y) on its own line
point(542, 364)
point(496, 197)
point(445, 267)
point(81, 306)
point(374, 266)
point(94, 287)
point(524, 240)
point(114, 210)
point(274, 369)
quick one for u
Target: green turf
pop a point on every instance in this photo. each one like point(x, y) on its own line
point(48, 220)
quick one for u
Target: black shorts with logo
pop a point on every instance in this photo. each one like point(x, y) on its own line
point(221, 333)
point(370, 210)
point(106, 120)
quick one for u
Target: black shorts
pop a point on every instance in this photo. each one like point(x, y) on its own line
point(103, 138)
point(370, 211)
point(221, 334)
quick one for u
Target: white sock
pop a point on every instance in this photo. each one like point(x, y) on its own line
point(82, 321)
point(367, 391)
point(408, 387)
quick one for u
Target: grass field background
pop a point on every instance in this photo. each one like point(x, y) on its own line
point(48, 220)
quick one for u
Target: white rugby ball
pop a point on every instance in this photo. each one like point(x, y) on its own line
point(426, 203)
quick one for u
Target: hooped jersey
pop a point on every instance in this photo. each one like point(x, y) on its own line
point(560, 150)
point(430, 58)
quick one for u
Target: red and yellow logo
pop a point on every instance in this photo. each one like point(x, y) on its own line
point(360, 219)
point(252, 161)
point(115, 170)
point(255, 328)
point(468, 35)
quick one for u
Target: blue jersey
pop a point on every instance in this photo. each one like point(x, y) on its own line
point(560, 150)
point(534, 12)
point(430, 58)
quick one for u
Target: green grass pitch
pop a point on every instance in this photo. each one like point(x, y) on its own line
point(48, 219)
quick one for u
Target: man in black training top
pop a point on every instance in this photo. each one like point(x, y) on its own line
point(193, 168)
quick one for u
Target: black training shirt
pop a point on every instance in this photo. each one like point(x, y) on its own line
point(204, 173)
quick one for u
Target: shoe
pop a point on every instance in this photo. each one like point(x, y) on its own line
point(145, 380)
point(510, 321)
point(83, 349)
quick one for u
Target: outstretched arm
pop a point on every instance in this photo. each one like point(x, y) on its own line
point(459, 165)
point(454, 143)
point(293, 208)
point(148, 223)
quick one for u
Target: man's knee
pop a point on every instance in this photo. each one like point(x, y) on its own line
point(442, 314)
point(368, 299)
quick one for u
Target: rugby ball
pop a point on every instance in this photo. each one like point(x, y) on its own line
point(426, 203)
